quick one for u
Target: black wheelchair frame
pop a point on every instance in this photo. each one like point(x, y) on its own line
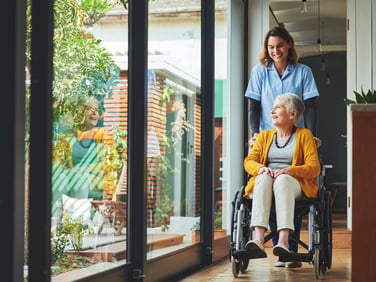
point(319, 246)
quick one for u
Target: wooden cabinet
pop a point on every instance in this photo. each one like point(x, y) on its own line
point(364, 192)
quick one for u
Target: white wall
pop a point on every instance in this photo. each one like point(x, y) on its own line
point(361, 59)
point(181, 45)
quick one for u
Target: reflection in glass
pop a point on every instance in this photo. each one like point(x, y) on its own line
point(173, 123)
point(220, 206)
point(88, 207)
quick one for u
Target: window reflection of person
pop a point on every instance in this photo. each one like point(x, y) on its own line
point(85, 158)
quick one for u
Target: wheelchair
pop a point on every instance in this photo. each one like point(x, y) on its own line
point(319, 246)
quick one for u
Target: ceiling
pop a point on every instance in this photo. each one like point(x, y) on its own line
point(324, 20)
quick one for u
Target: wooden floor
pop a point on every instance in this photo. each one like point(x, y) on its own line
point(263, 269)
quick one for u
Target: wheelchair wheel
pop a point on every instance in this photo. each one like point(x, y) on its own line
point(244, 265)
point(326, 233)
point(316, 263)
point(239, 265)
point(240, 234)
point(235, 204)
point(235, 267)
point(329, 253)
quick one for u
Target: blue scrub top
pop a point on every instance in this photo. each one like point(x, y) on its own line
point(265, 84)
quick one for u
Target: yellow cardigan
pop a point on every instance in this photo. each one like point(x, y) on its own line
point(305, 165)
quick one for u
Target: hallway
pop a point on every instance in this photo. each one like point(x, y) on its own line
point(263, 270)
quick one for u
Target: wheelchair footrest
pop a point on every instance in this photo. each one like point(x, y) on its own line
point(296, 257)
point(245, 254)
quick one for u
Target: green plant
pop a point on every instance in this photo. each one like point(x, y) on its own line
point(58, 244)
point(81, 65)
point(71, 262)
point(218, 219)
point(163, 202)
point(174, 134)
point(362, 97)
point(96, 9)
point(216, 225)
point(196, 226)
point(75, 229)
point(121, 135)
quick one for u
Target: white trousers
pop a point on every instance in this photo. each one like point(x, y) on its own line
point(286, 189)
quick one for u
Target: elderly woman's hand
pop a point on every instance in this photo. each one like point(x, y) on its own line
point(280, 171)
point(266, 170)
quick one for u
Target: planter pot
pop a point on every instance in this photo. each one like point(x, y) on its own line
point(363, 189)
point(218, 233)
point(195, 236)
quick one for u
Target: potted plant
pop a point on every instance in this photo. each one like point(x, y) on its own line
point(363, 135)
point(219, 232)
point(362, 98)
point(75, 229)
point(196, 232)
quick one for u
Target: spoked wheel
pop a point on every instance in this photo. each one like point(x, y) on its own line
point(316, 263)
point(235, 267)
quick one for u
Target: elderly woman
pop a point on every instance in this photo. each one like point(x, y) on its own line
point(85, 158)
point(283, 163)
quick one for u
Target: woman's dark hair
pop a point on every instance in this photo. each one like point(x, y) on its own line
point(281, 32)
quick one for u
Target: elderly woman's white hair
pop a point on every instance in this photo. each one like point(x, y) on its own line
point(293, 102)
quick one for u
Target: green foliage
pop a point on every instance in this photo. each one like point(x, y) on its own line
point(96, 9)
point(218, 219)
point(80, 65)
point(58, 244)
point(75, 229)
point(179, 127)
point(70, 262)
point(196, 226)
point(166, 95)
point(163, 204)
point(125, 4)
point(121, 135)
point(362, 97)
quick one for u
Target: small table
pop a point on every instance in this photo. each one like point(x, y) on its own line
point(336, 186)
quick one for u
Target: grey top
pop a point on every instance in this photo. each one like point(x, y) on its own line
point(281, 158)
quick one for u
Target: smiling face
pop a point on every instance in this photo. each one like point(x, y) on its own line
point(91, 117)
point(281, 117)
point(278, 49)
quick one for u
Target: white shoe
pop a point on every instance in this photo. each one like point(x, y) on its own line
point(278, 263)
point(280, 249)
point(254, 245)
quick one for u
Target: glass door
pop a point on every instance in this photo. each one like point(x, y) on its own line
point(173, 122)
point(89, 144)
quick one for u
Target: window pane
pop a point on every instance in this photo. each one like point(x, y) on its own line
point(89, 193)
point(174, 109)
point(220, 211)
